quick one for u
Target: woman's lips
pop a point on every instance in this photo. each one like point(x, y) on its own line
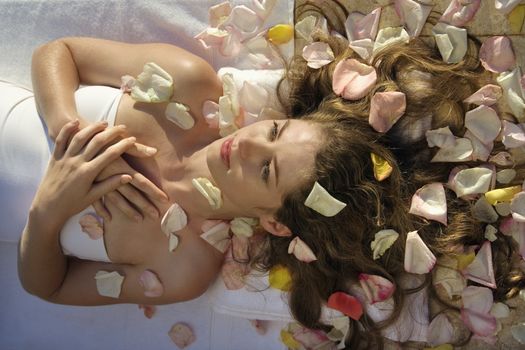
point(226, 148)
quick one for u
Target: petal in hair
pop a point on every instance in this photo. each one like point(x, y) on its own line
point(153, 287)
point(181, 335)
point(219, 13)
point(460, 152)
point(505, 176)
point(358, 26)
point(517, 207)
point(153, 85)
point(218, 236)
point(347, 304)
point(518, 332)
point(502, 159)
point(506, 6)
point(511, 82)
point(243, 227)
point(484, 123)
point(441, 138)
point(382, 169)
point(390, 36)
point(451, 42)
point(305, 27)
point(383, 240)
point(440, 330)
point(210, 192)
point(450, 279)
point(174, 219)
point(179, 114)
point(503, 208)
point(280, 34)
point(490, 233)
point(502, 194)
point(309, 338)
point(477, 303)
point(487, 95)
point(363, 48)
point(418, 258)
point(318, 54)
point(481, 269)
point(472, 181)
point(339, 332)
point(91, 225)
point(484, 211)
point(459, 13)
point(430, 202)
point(376, 288)
point(210, 111)
point(352, 79)
point(109, 284)
point(385, 109)
point(301, 250)
point(496, 54)
point(322, 202)
point(478, 323)
point(413, 15)
point(279, 278)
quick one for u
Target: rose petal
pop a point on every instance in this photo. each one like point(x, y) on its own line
point(305, 27)
point(309, 338)
point(212, 37)
point(353, 80)
point(479, 324)
point(253, 97)
point(358, 26)
point(347, 304)
point(516, 18)
point(376, 288)
point(259, 325)
point(418, 258)
point(496, 54)
point(174, 219)
point(500, 310)
point(502, 194)
point(481, 270)
point(450, 279)
point(363, 48)
point(126, 83)
point(484, 211)
point(263, 8)
point(301, 250)
point(385, 109)
point(339, 332)
point(318, 54)
point(243, 226)
point(91, 225)
point(218, 236)
point(109, 284)
point(149, 310)
point(173, 242)
point(480, 151)
point(441, 138)
point(179, 114)
point(430, 202)
point(472, 181)
point(477, 299)
point(219, 13)
point(210, 111)
point(322, 202)
point(382, 169)
point(518, 332)
point(279, 278)
point(513, 135)
point(383, 240)
point(460, 152)
point(517, 207)
point(484, 123)
point(390, 36)
point(490, 233)
point(413, 15)
point(181, 335)
point(231, 44)
point(487, 95)
point(451, 42)
point(513, 92)
point(280, 34)
point(459, 12)
point(210, 192)
point(153, 85)
point(153, 287)
point(506, 6)
point(233, 272)
point(502, 159)
point(244, 19)
point(440, 330)
point(503, 208)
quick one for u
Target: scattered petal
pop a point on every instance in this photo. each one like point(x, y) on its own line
point(484, 211)
point(477, 302)
point(418, 258)
point(126, 83)
point(305, 27)
point(513, 92)
point(506, 6)
point(382, 169)
point(480, 324)
point(243, 226)
point(516, 18)
point(218, 14)
point(517, 207)
point(309, 338)
point(244, 19)
point(451, 42)
point(450, 279)
point(502, 159)
point(460, 152)
point(413, 15)
point(472, 181)
point(231, 44)
point(109, 284)
point(280, 278)
point(502, 208)
point(484, 123)
point(259, 325)
point(478, 299)
point(440, 330)
point(210, 111)
point(352, 79)
point(487, 95)
point(358, 26)
point(322, 202)
point(500, 310)
point(280, 34)
point(253, 97)
point(385, 109)
point(173, 242)
point(502, 194)
point(210, 192)
point(339, 332)
point(182, 335)
point(301, 250)
point(153, 85)
point(459, 12)
point(390, 36)
point(490, 233)
point(174, 219)
point(441, 138)
point(288, 340)
point(505, 176)
point(376, 288)
point(383, 240)
point(153, 287)
point(480, 151)
point(149, 310)
point(513, 135)
point(318, 54)
point(430, 202)
point(212, 37)
point(518, 332)
point(496, 54)
point(218, 236)
point(363, 48)
point(481, 270)
point(91, 225)
point(179, 114)
point(347, 304)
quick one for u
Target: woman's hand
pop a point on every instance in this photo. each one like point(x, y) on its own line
point(69, 184)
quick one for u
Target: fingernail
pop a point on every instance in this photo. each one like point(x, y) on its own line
point(104, 123)
point(132, 139)
point(153, 213)
point(125, 179)
point(150, 150)
point(122, 126)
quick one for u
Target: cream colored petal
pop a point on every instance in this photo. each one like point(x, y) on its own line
point(505, 7)
point(517, 207)
point(484, 211)
point(490, 233)
point(440, 330)
point(472, 181)
point(91, 225)
point(413, 15)
point(181, 335)
point(109, 284)
point(230, 89)
point(430, 202)
point(505, 176)
point(151, 284)
point(173, 242)
point(318, 54)
point(513, 92)
point(481, 269)
point(218, 236)
point(487, 95)
point(210, 192)
point(450, 279)
point(322, 202)
point(418, 258)
point(502, 159)
point(210, 111)
point(243, 227)
point(390, 36)
point(339, 332)
point(152, 85)
point(513, 135)
point(305, 27)
point(383, 240)
point(301, 250)
point(516, 104)
point(460, 152)
point(441, 138)
point(484, 123)
point(445, 45)
point(363, 48)
point(500, 310)
point(217, 14)
point(480, 150)
point(502, 208)
point(174, 219)
point(457, 40)
point(179, 114)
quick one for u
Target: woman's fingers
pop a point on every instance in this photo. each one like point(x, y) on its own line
point(101, 210)
point(111, 153)
point(110, 184)
point(62, 140)
point(143, 184)
point(141, 203)
point(102, 140)
point(82, 137)
point(141, 151)
point(118, 201)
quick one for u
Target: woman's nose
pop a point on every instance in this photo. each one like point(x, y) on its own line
point(252, 148)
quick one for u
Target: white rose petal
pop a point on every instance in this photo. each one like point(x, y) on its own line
point(418, 258)
point(440, 330)
point(441, 138)
point(109, 284)
point(322, 202)
point(502, 208)
point(500, 310)
point(413, 15)
point(174, 219)
point(383, 240)
point(505, 176)
point(152, 85)
point(484, 123)
point(513, 135)
point(210, 192)
point(451, 42)
point(430, 202)
point(179, 114)
point(481, 270)
point(390, 36)
point(243, 227)
point(472, 181)
point(517, 207)
point(460, 152)
point(490, 233)
point(173, 242)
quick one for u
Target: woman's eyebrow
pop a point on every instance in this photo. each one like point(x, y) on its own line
point(276, 172)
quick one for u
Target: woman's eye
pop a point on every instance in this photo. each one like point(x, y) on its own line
point(274, 131)
point(265, 171)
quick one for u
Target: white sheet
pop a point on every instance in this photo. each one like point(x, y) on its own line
point(29, 323)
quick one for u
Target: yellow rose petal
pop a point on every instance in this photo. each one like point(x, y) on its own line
point(516, 18)
point(280, 34)
point(280, 278)
point(502, 194)
point(382, 169)
point(464, 260)
point(289, 341)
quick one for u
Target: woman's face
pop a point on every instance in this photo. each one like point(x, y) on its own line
point(260, 163)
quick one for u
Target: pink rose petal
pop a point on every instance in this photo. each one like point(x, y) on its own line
point(301, 250)
point(517, 207)
point(477, 299)
point(376, 288)
point(430, 202)
point(385, 109)
point(217, 14)
point(480, 150)
point(359, 26)
point(487, 95)
point(231, 43)
point(152, 285)
point(244, 19)
point(484, 123)
point(479, 324)
point(481, 270)
point(149, 310)
point(506, 6)
point(413, 15)
point(496, 54)
point(310, 338)
point(441, 138)
point(418, 258)
point(91, 225)
point(182, 335)
point(318, 54)
point(353, 80)
point(460, 12)
point(460, 152)
point(253, 97)
point(513, 135)
point(210, 111)
point(212, 37)
point(440, 331)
